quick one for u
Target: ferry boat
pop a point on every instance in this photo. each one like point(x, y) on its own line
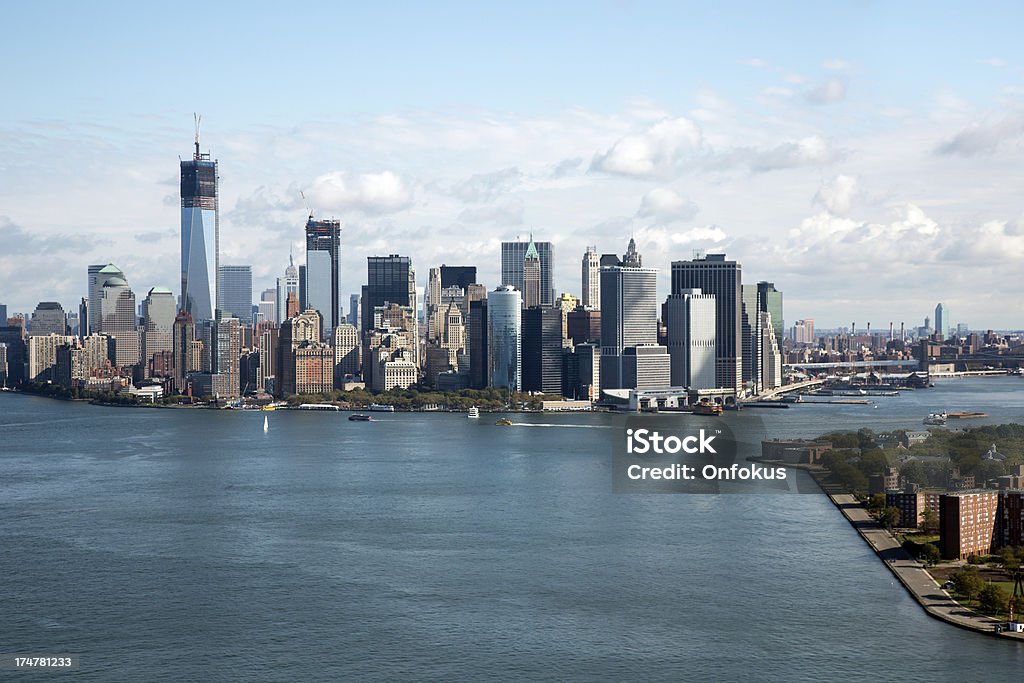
point(707, 409)
point(474, 413)
point(359, 418)
point(937, 419)
point(379, 408)
point(504, 422)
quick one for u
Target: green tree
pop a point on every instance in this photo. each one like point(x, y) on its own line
point(967, 583)
point(991, 599)
point(930, 554)
point(876, 502)
point(889, 517)
point(929, 520)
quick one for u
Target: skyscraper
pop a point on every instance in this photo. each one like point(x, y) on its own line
point(478, 364)
point(98, 274)
point(629, 326)
point(751, 337)
point(289, 284)
point(200, 234)
point(323, 272)
point(531, 276)
point(389, 279)
point(513, 255)
point(769, 300)
point(354, 316)
point(941, 319)
point(118, 320)
point(235, 292)
point(48, 318)
point(714, 275)
point(157, 324)
point(690, 321)
point(226, 338)
point(591, 291)
point(431, 303)
point(504, 338)
point(184, 336)
point(542, 349)
point(458, 276)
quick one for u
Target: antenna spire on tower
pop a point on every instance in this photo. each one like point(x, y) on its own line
point(198, 119)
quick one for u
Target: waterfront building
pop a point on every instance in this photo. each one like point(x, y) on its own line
point(235, 292)
point(712, 274)
point(183, 348)
point(3, 365)
point(513, 260)
point(118, 321)
point(591, 290)
point(912, 502)
point(42, 355)
point(542, 344)
point(3, 313)
point(967, 523)
point(158, 315)
point(390, 280)
point(301, 328)
point(287, 286)
point(314, 368)
point(82, 359)
point(98, 274)
point(477, 344)
point(16, 352)
point(504, 338)
point(629, 318)
point(200, 234)
point(322, 283)
point(226, 347)
point(48, 318)
point(691, 326)
point(347, 352)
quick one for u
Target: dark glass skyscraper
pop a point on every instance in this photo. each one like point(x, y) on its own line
point(235, 292)
point(542, 349)
point(389, 280)
point(322, 279)
point(200, 235)
point(458, 276)
point(714, 275)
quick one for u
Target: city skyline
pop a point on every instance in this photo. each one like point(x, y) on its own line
point(811, 164)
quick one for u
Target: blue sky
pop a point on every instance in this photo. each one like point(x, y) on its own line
point(814, 142)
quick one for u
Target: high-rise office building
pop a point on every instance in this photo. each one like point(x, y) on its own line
point(355, 318)
point(226, 347)
point(183, 341)
point(941, 320)
point(118, 321)
point(48, 318)
point(714, 275)
point(513, 258)
point(629, 320)
point(769, 300)
point(200, 234)
point(303, 328)
point(431, 303)
point(235, 292)
point(347, 351)
point(158, 315)
point(531, 276)
point(504, 338)
point(3, 314)
point(751, 337)
point(591, 291)
point(289, 284)
point(322, 284)
point(98, 274)
point(389, 280)
point(542, 349)
point(690, 322)
point(478, 363)
point(771, 354)
point(458, 276)
point(267, 306)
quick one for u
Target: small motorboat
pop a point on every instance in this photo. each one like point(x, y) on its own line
point(474, 413)
point(935, 419)
point(359, 418)
point(504, 422)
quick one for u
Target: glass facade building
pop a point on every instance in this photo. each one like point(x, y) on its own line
point(199, 235)
point(235, 292)
point(504, 338)
point(322, 285)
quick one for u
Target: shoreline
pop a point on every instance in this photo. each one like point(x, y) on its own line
point(911, 574)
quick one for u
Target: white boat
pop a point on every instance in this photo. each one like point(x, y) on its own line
point(474, 413)
point(378, 408)
point(266, 424)
point(935, 419)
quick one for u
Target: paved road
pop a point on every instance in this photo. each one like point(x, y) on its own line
point(911, 574)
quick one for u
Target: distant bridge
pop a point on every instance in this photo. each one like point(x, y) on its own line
point(796, 386)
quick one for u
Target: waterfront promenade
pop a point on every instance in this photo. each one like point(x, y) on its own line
point(935, 601)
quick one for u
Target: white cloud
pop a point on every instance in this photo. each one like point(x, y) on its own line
point(368, 193)
point(830, 91)
point(812, 150)
point(984, 138)
point(665, 206)
point(658, 151)
point(837, 194)
point(485, 187)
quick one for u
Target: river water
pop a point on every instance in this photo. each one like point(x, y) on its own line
point(191, 545)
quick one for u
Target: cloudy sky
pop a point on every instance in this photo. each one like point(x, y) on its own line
point(866, 157)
